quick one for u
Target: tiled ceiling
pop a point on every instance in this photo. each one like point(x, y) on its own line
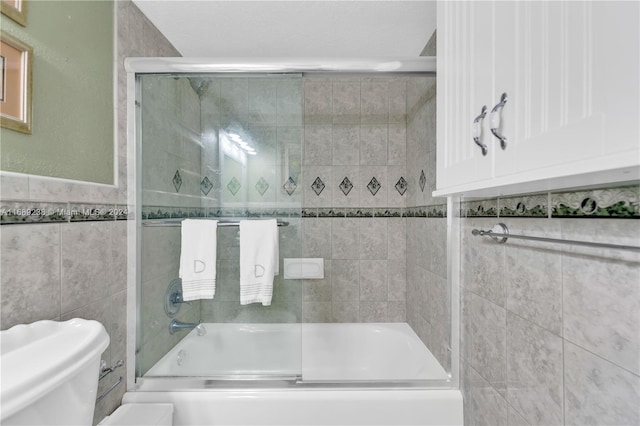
point(339, 28)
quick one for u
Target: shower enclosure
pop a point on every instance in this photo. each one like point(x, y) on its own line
point(339, 153)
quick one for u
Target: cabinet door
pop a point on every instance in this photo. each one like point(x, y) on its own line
point(464, 43)
point(576, 87)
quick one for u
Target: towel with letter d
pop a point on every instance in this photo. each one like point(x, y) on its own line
point(198, 259)
point(259, 262)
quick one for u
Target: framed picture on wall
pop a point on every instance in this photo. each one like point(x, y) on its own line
point(16, 59)
point(15, 9)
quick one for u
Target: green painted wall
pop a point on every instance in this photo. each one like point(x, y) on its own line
point(72, 92)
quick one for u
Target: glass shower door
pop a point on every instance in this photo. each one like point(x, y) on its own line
point(223, 147)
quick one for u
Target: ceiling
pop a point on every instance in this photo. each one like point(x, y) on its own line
point(286, 28)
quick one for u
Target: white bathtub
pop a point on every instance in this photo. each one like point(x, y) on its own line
point(317, 352)
point(389, 368)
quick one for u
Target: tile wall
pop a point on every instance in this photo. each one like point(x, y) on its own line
point(354, 195)
point(550, 332)
point(64, 243)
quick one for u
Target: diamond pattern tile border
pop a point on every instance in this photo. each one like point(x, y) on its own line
point(233, 186)
point(401, 186)
point(177, 181)
point(318, 185)
point(346, 186)
point(290, 186)
point(374, 186)
point(206, 185)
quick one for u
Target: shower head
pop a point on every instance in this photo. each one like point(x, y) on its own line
point(199, 85)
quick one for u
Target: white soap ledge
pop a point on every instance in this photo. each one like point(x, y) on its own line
point(304, 268)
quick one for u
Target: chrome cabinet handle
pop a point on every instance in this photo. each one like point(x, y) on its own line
point(477, 130)
point(495, 121)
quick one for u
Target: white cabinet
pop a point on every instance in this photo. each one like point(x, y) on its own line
point(571, 74)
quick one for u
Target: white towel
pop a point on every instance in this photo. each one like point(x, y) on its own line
point(259, 260)
point(198, 259)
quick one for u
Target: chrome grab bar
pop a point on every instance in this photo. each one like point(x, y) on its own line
point(500, 234)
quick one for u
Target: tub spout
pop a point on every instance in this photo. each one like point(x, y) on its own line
point(176, 325)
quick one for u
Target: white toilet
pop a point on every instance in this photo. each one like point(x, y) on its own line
point(50, 372)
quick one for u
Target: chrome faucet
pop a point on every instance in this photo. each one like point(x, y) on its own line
point(176, 325)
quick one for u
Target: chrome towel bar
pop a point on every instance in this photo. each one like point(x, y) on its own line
point(178, 222)
point(500, 234)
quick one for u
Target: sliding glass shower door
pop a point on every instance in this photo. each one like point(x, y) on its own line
point(225, 147)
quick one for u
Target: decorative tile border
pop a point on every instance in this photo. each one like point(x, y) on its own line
point(617, 202)
point(525, 206)
point(25, 212)
point(156, 212)
point(479, 208)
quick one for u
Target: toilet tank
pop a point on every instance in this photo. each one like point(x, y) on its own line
point(49, 372)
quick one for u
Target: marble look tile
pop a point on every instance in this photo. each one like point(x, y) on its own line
point(319, 290)
point(397, 238)
point(482, 263)
point(374, 142)
point(397, 145)
point(227, 279)
point(119, 256)
point(118, 330)
point(373, 238)
point(85, 263)
point(488, 407)
point(373, 312)
point(397, 311)
point(345, 280)
point(489, 341)
point(289, 102)
point(375, 101)
point(262, 100)
point(346, 145)
point(515, 419)
point(316, 312)
point(598, 392)
point(440, 305)
point(346, 100)
point(398, 100)
point(161, 250)
point(345, 238)
point(373, 280)
point(533, 276)
point(601, 301)
point(317, 138)
point(436, 229)
point(397, 280)
point(318, 101)
point(345, 311)
point(534, 369)
point(14, 186)
point(30, 264)
point(316, 237)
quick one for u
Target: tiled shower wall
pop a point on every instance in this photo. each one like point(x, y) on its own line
point(549, 332)
point(365, 172)
point(72, 260)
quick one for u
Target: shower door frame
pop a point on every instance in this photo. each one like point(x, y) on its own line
point(330, 66)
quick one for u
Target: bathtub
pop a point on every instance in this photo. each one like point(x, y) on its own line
point(329, 374)
point(312, 352)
